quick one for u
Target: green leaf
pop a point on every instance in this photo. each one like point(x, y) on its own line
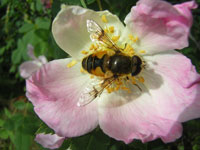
point(44, 129)
point(26, 28)
point(16, 56)
point(1, 122)
point(43, 34)
point(98, 141)
point(4, 134)
point(2, 50)
point(22, 141)
point(39, 6)
point(42, 23)
point(90, 1)
point(7, 112)
point(19, 105)
point(79, 142)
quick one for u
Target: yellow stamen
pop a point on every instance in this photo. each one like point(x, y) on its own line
point(131, 37)
point(104, 19)
point(109, 90)
point(136, 39)
point(84, 52)
point(111, 29)
point(82, 70)
point(141, 79)
point(71, 64)
point(142, 51)
point(106, 30)
point(129, 50)
point(115, 38)
point(92, 47)
point(91, 77)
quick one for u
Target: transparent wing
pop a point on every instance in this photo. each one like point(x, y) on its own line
point(98, 34)
point(92, 91)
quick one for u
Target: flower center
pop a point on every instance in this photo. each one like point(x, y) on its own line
point(117, 64)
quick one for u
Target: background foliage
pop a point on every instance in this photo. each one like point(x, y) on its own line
point(29, 22)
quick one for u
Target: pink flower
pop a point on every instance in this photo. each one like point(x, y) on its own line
point(27, 68)
point(169, 84)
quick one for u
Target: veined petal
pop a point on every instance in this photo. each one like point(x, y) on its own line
point(159, 25)
point(136, 119)
point(54, 91)
point(51, 141)
point(178, 97)
point(27, 68)
point(70, 31)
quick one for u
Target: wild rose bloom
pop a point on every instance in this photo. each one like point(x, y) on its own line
point(169, 82)
point(27, 68)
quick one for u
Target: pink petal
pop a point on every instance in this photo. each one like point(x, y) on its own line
point(171, 96)
point(28, 68)
point(136, 119)
point(51, 141)
point(161, 26)
point(54, 91)
point(30, 52)
point(70, 31)
point(178, 85)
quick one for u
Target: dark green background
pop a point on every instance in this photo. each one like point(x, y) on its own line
point(27, 21)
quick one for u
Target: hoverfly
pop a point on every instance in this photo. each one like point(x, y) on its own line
point(102, 64)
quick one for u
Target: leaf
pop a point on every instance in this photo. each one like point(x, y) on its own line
point(26, 27)
point(7, 112)
point(4, 134)
point(44, 129)
point(42, 23)
point(19, 105)
point(22, 141)
point(1, 122)
point(43, 34)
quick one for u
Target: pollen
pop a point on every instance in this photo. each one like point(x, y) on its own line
point(71, 64)
point(141, 79)
point(84, 52)
point(129, 49)
point(82, 70)
point(111, 29)
point(142, 51)
point(104, 19)
point(91, 77)
point(133, 39)
point(106, 30)
point(110, 90)
point(115, 38)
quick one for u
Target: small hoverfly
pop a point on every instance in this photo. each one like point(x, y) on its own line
point(108, 66)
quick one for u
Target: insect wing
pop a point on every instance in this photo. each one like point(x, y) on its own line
point(94, 29)
point(87, 96)
point(98, 34)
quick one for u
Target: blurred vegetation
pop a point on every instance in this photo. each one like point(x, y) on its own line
point(29, 22)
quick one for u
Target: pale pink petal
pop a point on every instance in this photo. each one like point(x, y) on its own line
point(70, 31)
point(159, 25)
point(185, 10)
point(30, 52)
point(51, 141)
point(136, 117)
point(54, 91)
point(175, 87)
point(42, 59)
point(27, 68)
point(170, 95)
